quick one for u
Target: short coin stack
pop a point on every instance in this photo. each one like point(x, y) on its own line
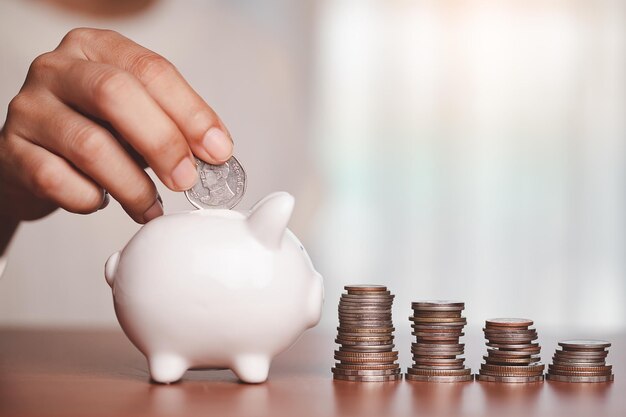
point(581, 361)
point(437, 326)
point(365, 334)
point(512, 354)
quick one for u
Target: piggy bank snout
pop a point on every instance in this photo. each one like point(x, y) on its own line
point(315, 300)
point(111, 267)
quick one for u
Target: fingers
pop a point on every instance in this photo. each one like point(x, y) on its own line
point(65, 156)
point(202, 128)
point(116, 96)
point(96, 153)
point(50, 177)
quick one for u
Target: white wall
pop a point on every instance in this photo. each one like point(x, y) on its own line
point(476, 150)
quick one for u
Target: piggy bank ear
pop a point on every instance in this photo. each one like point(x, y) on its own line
point(269, 217)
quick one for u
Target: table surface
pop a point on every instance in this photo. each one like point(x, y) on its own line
point(99, 373)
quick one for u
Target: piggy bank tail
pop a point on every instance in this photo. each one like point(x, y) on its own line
point(111, 267)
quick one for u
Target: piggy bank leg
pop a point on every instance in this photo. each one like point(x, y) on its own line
point(166, 368)
point(252, 369)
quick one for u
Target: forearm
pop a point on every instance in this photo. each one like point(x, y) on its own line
point(8, 226)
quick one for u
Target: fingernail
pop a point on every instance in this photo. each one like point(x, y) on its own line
point(105, 201)
point(153, 212)
point(185, 175)
point(217, 144)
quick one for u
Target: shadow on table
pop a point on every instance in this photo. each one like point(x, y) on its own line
point(428, 398)
point(515, 398)
point(219, 398)
point(583, 396)
point(364, 398)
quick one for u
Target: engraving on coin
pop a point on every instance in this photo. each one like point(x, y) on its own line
point(219, 187)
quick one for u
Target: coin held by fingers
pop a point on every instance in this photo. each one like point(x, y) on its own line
point(219, 186)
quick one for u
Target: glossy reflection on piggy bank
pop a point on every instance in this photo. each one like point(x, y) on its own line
point(216, 289)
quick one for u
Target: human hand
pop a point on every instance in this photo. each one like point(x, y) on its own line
point(88, 116)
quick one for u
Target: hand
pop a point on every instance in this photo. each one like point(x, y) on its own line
point(89, 113)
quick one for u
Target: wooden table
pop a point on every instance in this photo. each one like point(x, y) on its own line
point(99, 373)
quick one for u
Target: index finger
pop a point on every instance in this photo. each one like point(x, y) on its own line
point(207, 136)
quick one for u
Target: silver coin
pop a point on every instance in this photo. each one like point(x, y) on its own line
point(510, 379)
point(365, 378)
point(561, 378)
point(438, 378)
point(219, 186)
point(584, 344)
point(363, 349)
point(365, 372)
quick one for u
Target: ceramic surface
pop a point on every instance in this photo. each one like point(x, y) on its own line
point(216, 289)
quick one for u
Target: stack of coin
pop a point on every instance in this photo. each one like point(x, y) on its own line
point(365, 334)
point(512, 354)
point(437, 326)
point(581, 361)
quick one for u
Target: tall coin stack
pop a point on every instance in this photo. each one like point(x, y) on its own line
point(437, 326)
point(365, 334)
point(581, 361)
point(512, 354)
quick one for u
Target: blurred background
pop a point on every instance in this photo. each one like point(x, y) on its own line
point(466, 150)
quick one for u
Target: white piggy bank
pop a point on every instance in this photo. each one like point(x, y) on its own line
point(216, 289)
